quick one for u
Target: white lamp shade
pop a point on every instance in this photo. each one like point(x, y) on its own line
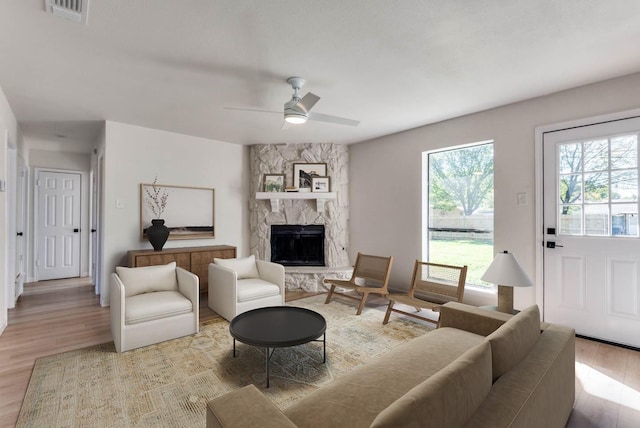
point(505, 270)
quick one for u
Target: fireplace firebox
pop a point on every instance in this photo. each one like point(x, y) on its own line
point(297, 245)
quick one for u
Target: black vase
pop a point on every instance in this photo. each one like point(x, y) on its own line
point(157, 234)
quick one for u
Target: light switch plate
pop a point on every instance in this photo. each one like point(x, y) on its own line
point(522, 199)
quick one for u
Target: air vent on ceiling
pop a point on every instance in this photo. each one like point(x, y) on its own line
point(74, 10)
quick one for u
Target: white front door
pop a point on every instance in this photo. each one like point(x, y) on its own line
point(592, 244)
point(58, 225)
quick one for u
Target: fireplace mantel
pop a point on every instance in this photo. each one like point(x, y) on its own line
point(276, 197)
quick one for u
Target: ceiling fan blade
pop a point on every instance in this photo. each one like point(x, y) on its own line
point(319, 117)
point(307, 102)
point(285, 125)
point(252, 109)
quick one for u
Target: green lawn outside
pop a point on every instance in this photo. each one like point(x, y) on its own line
point(477, 255)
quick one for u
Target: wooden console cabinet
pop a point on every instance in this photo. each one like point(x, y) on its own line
point(193, 259)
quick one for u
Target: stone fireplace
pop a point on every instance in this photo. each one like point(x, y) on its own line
point(332, 214)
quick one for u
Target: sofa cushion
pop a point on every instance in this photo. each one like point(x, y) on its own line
point(252, 288)
point(245, 407)
point(151, 306)
point(514, 339)
point(148, 279)
point(539, 391)
point(356, 398)
point(446, 399)
point(244, 267)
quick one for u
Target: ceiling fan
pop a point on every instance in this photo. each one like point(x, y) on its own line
point(297, 110)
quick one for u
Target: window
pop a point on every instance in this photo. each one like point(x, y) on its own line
point(598, 186)
point(458, 208)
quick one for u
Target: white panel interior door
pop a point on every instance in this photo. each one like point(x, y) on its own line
point(58, 225)
point(592, 244)
point(21, 222)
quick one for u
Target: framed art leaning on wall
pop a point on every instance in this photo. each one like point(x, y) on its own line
point(320, 184)
point(273, 182)
point(304, 172)
point(188, 212)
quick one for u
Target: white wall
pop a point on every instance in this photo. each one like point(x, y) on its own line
point(135, 155)
point(385, 180)
point(8, 136)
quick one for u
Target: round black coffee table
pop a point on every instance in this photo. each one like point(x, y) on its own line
point(278, 327)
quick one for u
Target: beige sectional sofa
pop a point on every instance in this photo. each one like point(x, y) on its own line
point(479, 368)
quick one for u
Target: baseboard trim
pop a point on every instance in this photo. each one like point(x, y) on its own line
point(606, 342)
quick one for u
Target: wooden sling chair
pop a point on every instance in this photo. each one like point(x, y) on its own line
point(370, 275)
point(435, 284)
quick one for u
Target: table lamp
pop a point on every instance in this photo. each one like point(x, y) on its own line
point(506, 273)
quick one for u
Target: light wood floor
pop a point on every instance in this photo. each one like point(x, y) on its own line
point(53, 317)
point(58, 316)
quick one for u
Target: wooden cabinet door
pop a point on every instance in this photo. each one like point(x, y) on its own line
point(182, 260)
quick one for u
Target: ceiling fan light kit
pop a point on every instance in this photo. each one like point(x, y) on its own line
point(297, 109)
point(295, 118)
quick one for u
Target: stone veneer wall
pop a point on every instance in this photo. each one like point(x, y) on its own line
point(279, 159)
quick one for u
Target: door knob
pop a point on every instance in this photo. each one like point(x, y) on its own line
point(552, 244)
point(76, 230)
point(19, 233)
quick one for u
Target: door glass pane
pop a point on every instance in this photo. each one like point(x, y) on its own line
point(596, 219)
point(570, 157)
point(624, 186)
point(624, 151)
point(596, 187)
point(571, 220)
point(624, 219)
point(596, 155)
point(570, 188)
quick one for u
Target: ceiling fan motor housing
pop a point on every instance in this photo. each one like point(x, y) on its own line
point(296, 82)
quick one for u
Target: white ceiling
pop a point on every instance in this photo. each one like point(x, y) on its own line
point(393, 65)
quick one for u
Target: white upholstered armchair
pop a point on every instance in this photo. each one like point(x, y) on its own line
point(239, 285)
point(152, 304)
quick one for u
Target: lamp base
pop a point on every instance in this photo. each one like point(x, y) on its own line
point(505, 299)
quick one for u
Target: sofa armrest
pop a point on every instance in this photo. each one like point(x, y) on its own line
point(271, 272)
point(245, 407)
point(470, 318)
point(188, 285)
point(116, 309)
point(223, 295)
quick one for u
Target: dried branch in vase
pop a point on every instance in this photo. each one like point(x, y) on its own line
point(156, 198)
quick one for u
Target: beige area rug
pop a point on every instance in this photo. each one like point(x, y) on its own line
point(169, 384)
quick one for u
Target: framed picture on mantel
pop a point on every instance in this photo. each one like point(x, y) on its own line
point(320, 184)
point(188, 212)
point(304, 172)
point(273, 182)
